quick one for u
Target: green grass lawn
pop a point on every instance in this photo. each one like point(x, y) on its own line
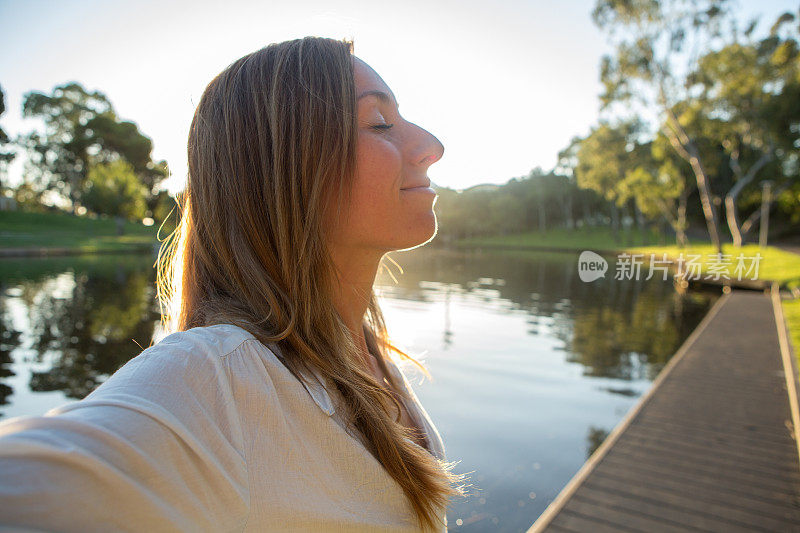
point(62, 230)
point(775, 264)
point(791, 312)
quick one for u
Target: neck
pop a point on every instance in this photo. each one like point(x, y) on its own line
point(356, 274)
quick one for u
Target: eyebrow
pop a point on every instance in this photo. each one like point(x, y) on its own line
point(382, 96)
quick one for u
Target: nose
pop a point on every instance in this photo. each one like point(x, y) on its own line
point(428, 148)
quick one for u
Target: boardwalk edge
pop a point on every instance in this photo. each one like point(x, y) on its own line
point(569, 489)
point(789, 364)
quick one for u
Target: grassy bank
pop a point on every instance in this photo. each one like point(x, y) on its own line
point(62, 230)
point(775, 264)
point(791, 312)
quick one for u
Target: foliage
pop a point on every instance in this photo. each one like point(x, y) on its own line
point(165, 210)
point(5, 157)
point(82, 129)
point(749, 104)
point(28, 198)
point(114, 189)
point(541, 200)
point(656, 45)
point(684, 79)
point(605, 157)
point(587, 238)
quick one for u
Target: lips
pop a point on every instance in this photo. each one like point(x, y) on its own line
point(421, 184)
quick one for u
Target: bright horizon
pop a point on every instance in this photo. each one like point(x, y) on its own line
point(504, 87)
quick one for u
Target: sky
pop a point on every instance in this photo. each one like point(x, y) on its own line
point(505, 85)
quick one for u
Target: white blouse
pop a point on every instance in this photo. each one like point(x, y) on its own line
point(204, 431)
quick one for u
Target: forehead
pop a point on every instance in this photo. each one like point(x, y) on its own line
point(367, 79)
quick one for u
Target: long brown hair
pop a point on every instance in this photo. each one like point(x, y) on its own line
point(273, 136)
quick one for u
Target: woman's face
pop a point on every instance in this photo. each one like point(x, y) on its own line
point(391, 205)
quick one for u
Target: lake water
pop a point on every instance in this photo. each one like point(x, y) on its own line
point(531, 367)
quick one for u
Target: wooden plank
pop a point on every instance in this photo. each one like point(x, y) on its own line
point(642, 481)
point(789, 361)
point(712, 484)
point(560, 529)
point(578, 521)
point(730, 470)
point(627, 516)
point(743, 437)
point(711, 439)
point(678, 443)
point(662, 516)
point(670, 501)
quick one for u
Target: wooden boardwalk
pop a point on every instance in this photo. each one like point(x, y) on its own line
point(709, 448)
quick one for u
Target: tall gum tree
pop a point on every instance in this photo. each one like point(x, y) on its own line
point(749, 101)
point(657, 45)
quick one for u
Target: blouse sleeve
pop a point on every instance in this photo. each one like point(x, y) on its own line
point(157, 447)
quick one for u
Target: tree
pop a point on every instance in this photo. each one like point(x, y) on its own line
point(751, 94)
point(113, 189)
point(658, 189)
point(113, 138)
point(59, 158)
point(587, 199)
point(657, 46)
point(604, 158)
point(5, 157)
point(81, 129)
point(676, 176)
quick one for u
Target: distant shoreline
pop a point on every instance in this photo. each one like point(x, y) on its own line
point(59, 252)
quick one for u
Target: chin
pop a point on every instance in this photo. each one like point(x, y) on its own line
point(423, 236)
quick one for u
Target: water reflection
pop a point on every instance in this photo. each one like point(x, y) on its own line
point(594, 439)
point(67, 324)
point(617, 329)
point(532, 367)
point(9, 339)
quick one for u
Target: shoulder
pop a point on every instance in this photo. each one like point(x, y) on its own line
point(188, 382)
point(191, 359)
point(219, 340)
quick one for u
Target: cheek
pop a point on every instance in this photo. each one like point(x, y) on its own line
point(379, 164)
point(376, 191)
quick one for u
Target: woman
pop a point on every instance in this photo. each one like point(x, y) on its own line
point(274, 405)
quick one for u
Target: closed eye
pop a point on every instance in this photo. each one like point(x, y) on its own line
point(382, 127)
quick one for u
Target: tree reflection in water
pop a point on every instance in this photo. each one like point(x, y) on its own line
point(82, 317)
point(594, 439)
point(9, 339)
point(615, 329)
